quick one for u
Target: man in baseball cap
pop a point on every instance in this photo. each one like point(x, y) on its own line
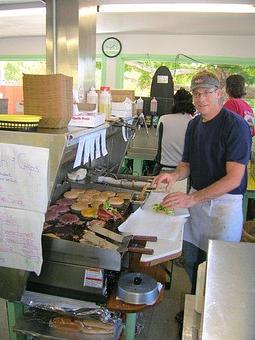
point(215, 157)
point(204, 79)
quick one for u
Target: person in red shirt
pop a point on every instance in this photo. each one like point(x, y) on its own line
point(235, 88)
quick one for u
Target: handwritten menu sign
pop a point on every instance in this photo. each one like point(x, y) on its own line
point(20, 239)
point(23, 203)
point(23, 177)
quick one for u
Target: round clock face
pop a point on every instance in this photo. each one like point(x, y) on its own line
point(111, 47)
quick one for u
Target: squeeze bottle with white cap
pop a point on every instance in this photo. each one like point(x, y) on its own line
point(139, 106)
point(105, 103)
point(92, 97)
point(153, 110)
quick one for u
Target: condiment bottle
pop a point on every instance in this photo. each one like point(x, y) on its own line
point(92, 97)
point(153, 110)
point(81, 94)
point(105, 103)
point(139, 106)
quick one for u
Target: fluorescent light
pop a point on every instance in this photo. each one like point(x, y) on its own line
point(7, 13)
point(179, 7)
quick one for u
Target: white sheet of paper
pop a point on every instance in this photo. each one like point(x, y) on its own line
point(20, 239)
point(79, 152)
point(148, 223)
point(23, 177)
point(157, 197)
point(92, 146)
point(86, 151)
point(124, 134)
point(145, 221)
point(103, 142)
point(164, 248)
point(98, 151)
point(168, 229)
point(178, 186)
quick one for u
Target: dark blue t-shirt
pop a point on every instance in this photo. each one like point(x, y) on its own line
point(209, 145)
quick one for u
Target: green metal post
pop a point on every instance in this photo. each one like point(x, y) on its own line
point(130, 326)
point(15, 311)
point(137, 166)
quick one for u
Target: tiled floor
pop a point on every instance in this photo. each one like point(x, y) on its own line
point(159, 322)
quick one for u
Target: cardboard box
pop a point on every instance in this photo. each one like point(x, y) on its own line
point(49, 96)
point(86, 107)
point(121, 95)
point(122, 109)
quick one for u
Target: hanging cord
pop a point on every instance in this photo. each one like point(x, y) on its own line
point(176, 61)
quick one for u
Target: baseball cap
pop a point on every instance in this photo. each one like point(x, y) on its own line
point(204, 79)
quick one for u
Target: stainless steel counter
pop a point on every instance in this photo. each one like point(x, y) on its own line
point(229, 312)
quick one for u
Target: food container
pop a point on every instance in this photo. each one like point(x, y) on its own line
point(137, 288)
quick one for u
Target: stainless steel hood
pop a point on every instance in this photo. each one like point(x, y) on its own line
point(71, 40)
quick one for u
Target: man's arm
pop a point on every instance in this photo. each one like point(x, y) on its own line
point(230, 181)
point(181, 172)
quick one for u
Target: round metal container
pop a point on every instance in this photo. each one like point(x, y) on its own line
point(137, 288)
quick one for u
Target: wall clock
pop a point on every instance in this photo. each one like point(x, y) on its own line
point(111, 47)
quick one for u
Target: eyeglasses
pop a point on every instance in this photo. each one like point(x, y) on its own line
point(205, 93)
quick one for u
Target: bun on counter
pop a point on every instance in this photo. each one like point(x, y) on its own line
point(70, 324)
point(110, 193)
point(116, 201)
point(78, 206)
point(71, 194)
point(125, 195)
point(98, 324)
point(66, 323)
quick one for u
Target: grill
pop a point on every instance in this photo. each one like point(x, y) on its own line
point(66, 262)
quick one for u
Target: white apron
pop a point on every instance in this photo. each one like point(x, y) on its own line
point(218, 219)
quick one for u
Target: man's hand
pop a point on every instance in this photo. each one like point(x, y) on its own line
point(178, 200)
point(168, 178)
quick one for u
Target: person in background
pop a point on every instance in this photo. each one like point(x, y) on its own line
point(235, 88)
point(216, 152)
point(171, 130)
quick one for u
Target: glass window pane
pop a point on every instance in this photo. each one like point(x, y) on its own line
point(11, 81)
point(138, 75)
point(98, 74)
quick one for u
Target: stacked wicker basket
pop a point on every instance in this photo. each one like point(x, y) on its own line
point(50, 96)
point(248, 231)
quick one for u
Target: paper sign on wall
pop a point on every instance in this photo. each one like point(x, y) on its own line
point(23, 177)
point(20, 239)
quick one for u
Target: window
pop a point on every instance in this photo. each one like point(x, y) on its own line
point(138, 71)
point(11, 70)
